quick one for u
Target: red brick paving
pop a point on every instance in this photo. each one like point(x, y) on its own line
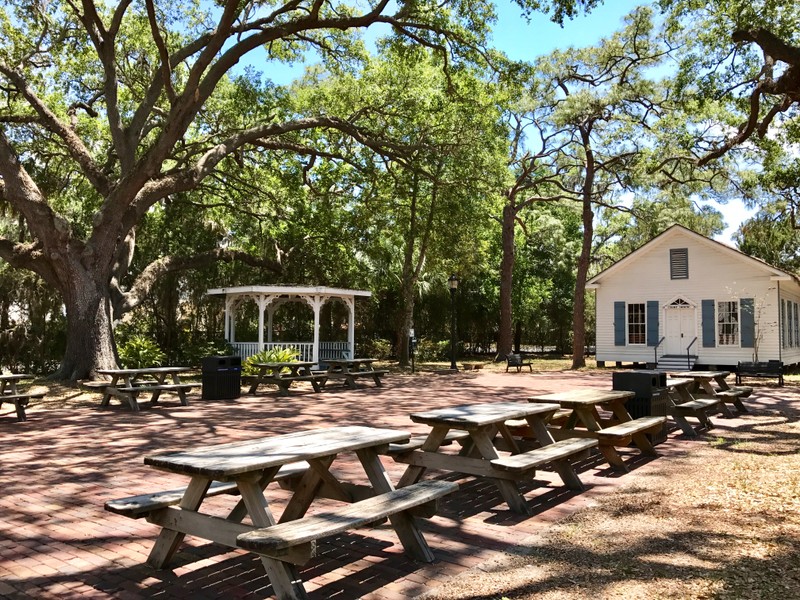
point(60, 466)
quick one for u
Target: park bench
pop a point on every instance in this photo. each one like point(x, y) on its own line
point(518, 361)
point(698, 409)
point(295, 541)
point(767, 369)
point(21, 399)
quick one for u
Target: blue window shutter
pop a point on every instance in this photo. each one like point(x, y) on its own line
point(709, 324)
point(619, 323)
point(652, 322)
point(748, 322)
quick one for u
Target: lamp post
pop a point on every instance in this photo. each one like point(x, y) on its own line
point(452, 282)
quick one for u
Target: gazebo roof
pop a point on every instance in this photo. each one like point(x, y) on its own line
point(289, 290)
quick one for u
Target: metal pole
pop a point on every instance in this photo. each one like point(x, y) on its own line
point(453, 329)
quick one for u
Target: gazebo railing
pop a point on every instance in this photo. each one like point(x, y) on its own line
point(326, 349)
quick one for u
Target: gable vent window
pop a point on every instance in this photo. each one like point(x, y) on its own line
point(679, 263)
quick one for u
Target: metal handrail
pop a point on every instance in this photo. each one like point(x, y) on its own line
point(688, 359)
point(655, 350)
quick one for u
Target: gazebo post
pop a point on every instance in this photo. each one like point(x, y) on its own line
point(270, 315)
point(227, 326)
point(262, 304)
point(351, 325)
point(316, 303)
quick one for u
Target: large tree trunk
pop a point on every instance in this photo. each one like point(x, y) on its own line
point(90, 337)
point(587, 216)
point(504, 337)
point(406, 323)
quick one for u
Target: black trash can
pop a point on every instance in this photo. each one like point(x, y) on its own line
point(651, 397)
point(222, 377)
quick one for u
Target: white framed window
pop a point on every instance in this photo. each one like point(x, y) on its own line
point(637, 326)
point(796, 325)
point(728, 323)
point(784, 325)
point(790, 339)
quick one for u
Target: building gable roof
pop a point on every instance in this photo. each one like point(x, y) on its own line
point(676, 231)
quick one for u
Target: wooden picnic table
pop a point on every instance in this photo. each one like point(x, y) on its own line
point(283, 374)
point(351, 369)
point(10, 393)
point(127, 384)
point(247, 467)
point(618, 430)
point(479, 453)
point(714, 384)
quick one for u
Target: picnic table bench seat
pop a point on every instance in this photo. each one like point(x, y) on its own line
point(284, 382)
point(414, 443)
point(762, 369)
point(621, 433)
point(293, 541)
point(20, 400)
point(141, 505)
point(698, 409)
point(518, 361)
point(532, 459)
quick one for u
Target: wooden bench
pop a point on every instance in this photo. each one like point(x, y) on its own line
point(768, 369)
point(139, 506)
point(416, 442)
point(130, 393)
point(294, 541)
point(518, 361)
point(20, 400)
point(552, 453)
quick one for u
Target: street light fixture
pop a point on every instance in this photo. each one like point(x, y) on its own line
point(452, 282)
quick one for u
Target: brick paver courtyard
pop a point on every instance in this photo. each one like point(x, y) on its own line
point(60, 466)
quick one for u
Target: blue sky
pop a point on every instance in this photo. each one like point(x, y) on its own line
point(523, 40)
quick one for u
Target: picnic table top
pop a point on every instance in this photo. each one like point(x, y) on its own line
point(481, 414)
point(279, 364)
point(14, 376)
point(349, 361)
point(235, 458)
point(701, 374)
point(584, 396)
point(144, 371)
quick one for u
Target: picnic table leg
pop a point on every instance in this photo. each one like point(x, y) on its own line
point(19, 406)
point(404, 524)
point(563, 467)
point(306, 491)
point(283, 576)
point(414, 473)
point(169, 540)
point(685, 426)
point(508, 490)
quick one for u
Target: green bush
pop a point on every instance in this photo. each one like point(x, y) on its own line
point(430, 351)
point(140, 352)
point(379, 348)
point(193, 352)
point(265, 356)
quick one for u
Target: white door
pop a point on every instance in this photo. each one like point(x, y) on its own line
point(680, 329)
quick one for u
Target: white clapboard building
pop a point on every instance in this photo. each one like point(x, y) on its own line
point(683, 300)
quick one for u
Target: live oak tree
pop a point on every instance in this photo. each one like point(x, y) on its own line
point(109, 110)
point(740, 68)
point(603, 102)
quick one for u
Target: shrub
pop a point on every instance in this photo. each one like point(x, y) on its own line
point(139, 352)
point(429, 351)
point(379, 348)
point(272, 355)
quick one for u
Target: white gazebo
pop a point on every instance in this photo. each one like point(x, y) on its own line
point(268, 298)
